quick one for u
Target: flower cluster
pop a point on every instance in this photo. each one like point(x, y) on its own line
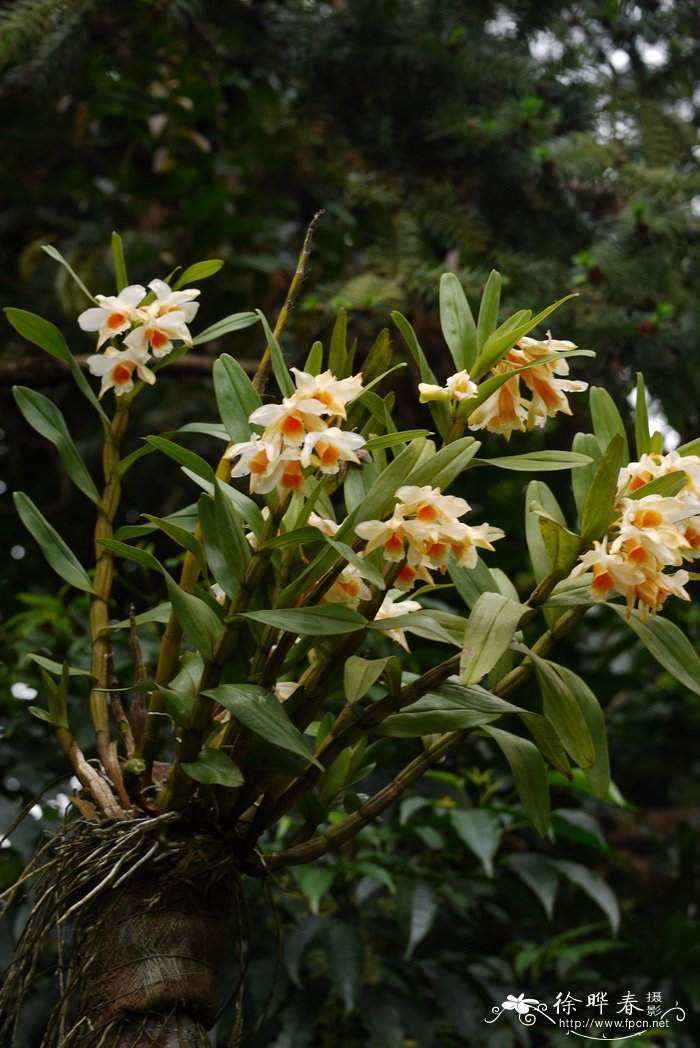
point(508, 409)
point(423, 532)
point(654, 532)
point(350, 588)
point(146, 322)
point(300, 432)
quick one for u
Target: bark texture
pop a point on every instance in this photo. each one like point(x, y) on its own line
point(150, 970)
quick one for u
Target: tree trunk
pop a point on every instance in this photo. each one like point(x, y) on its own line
point(147, 965)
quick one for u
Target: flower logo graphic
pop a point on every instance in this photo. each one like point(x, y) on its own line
point(520, 1004)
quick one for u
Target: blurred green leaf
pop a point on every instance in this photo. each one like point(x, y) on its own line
point(417, 909)
point(480, 830)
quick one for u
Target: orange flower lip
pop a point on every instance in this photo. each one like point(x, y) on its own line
point(292, 426)
point(122, 372)
point(158, 339)
point(393, 544)
point(649, 518)
point(428, 513)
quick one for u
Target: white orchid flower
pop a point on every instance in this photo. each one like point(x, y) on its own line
point(326, 449)
point(114, 314)
point(333, 393)
point(116, 369)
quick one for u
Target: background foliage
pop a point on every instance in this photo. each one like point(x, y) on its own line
point(555, 142)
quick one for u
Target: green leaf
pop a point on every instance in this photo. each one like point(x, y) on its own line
point(539, 461)
point(134, 553)
point(44, 715)
point(668, 644)
point(470, 583)
point(119, 263)
point(183, 456)
point(264, 715)
point(236, 397)
point(538, 873)
point(334, 777)
point(382, 494)
point(439, 410)
point(417, 909)
point(364, 566)
point(338, 351)
point(594, 886)
point(231, 534)
point(513, 329)
point(345, 952)
point(57, 668)
point(235, 322)
point(213, 768)
point(326, 620)
point(199, 271)
point(578, 826)
point(360, 674)
point(599, 509)
point(457, 322)
point(472, 697)
point(43, 415)
point(198, 620)
point(492, 624)
point(57, 554)
point(314, 882)
point(581, 479)
point(56, 255)
point(180, 694)
point(668, 485)
point(691, 448)
point(564, 714)
point(562, 546)
point(538, 494)
point(642, 435)
point(529, 775)
point(547, 742)
point(279, 368)
point(488, 313)
point(607, 421)
point(298, 940)
point(422, 623)
point(597, 777)
point(47, 336)
point(389, 440)
point(481, 832)
point(440, 469)
point(223, 542)
point(433, 714)
point(161, 614)
point(181, 536)
point(241, 503)
point(488, 386)
point(314, 361)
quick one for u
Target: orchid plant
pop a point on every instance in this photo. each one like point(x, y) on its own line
point(321, 537)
